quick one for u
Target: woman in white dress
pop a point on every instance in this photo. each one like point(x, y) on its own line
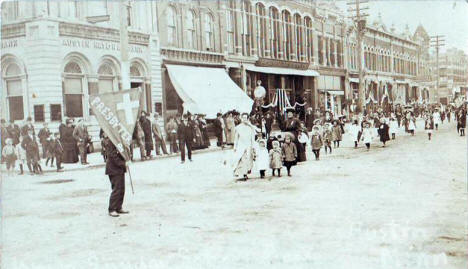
point(367, 135)
point(243, 152)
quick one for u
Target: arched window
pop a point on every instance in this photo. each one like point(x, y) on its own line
point(190, 30)
point(107, 78)
point(299, 42)
point(261, 29)
point(309, 39)
point(246, 28)
point(209, 32)
point(14, 91)
point(230, 26)
point(73, 90)
point(171, 26)
point(275, 24)
point(287, 34)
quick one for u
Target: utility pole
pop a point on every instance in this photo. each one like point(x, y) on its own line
point(437, 43)
point(359, 20)
point(125, 72)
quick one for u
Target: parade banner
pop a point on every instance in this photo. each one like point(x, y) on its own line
point(116, 113)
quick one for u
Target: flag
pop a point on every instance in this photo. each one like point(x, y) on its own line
point(282, 102)
point(116, 113)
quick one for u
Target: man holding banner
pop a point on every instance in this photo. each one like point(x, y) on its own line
point(117, 114)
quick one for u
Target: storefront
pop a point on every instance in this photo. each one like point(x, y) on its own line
point(51, 68)
point(331, 94)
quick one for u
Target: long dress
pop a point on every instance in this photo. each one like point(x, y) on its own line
point(243, 149)
point(70, 151)
point(230, 130)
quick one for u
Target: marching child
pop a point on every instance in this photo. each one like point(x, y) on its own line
point(9, 156)
point(276, 158)
point(354, 130)
point(262, 157)
point(429, 126)
point(289, 152)
point(57, 151)
point(316, 142)
point(21, 155)
point(367, 135)
point(49, 151)
point(32, 153)
point(337, 133)
point(393, 127)
point(327, 137)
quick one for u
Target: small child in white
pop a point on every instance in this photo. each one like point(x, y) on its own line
point(9, 155)
point(21, 155)
point(262, 158)
point(393, 127)
point(276, 158)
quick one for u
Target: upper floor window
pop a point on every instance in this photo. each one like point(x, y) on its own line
point(261, 29)
point(209, 36)
point(191, 33)
point(171, 26)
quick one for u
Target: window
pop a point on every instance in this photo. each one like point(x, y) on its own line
point(106, 78)
point(55, 112)
point(230, 28)
point(309, 40)
point(261, 29)
point(14, 92)
point(171, 26)
point(10, 11)
point(73, 9)
point(274, 32)
point(39, 113)
point(209, 32)
point(191, 34)
point(246, 28)
point(73, 90)
point(298, 42)
point(287, 35)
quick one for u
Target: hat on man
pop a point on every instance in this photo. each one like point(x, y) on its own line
point(29, 119)
point(218, 114)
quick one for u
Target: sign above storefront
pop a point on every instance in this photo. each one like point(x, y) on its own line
point(98, 44)
point(279, 63)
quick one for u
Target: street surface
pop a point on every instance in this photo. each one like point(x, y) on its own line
point(403, 206)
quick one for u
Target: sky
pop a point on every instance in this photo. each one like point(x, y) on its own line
point(438, 17)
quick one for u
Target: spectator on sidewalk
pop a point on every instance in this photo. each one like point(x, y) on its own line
point(171, 128)
point(80, 133)
point(56, 149)
point(185, 135)
point(158, 136)
point(44, 134)
point(146, 127)
point(218, 125)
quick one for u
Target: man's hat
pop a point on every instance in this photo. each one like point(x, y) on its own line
point(185, 117)
point(290, 110)
point(29, 119)
point(218, 114)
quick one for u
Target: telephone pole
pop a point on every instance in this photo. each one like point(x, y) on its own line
point(359, 20)
point(437, 42)
point(125, 72)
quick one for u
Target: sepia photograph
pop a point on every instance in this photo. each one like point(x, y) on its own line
point(315, 134)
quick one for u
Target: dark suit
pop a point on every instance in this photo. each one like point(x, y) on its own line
point(185, 135)
point(218, 130)
point(115, 169)
point(25, 129)
point(57, 149)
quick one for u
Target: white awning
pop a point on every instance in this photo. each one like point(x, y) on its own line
point(207, 90)
point(282, 71)
point(354, 80)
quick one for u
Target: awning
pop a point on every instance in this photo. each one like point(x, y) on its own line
point(354, 80)
point(207, 90)
point(282, 71)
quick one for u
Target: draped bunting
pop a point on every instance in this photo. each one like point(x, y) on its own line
point(281, 101)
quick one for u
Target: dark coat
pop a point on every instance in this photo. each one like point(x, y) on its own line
point(56, 147)
point(309, 120)
point(43, 135)
point(146, 126)
point(26, 128)
point(185, 132)
point(14, 132)
point(218, 127)
point(115, 163)
point(383, 132)
point(31, 147)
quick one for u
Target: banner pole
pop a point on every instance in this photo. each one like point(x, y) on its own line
point(130, 177)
